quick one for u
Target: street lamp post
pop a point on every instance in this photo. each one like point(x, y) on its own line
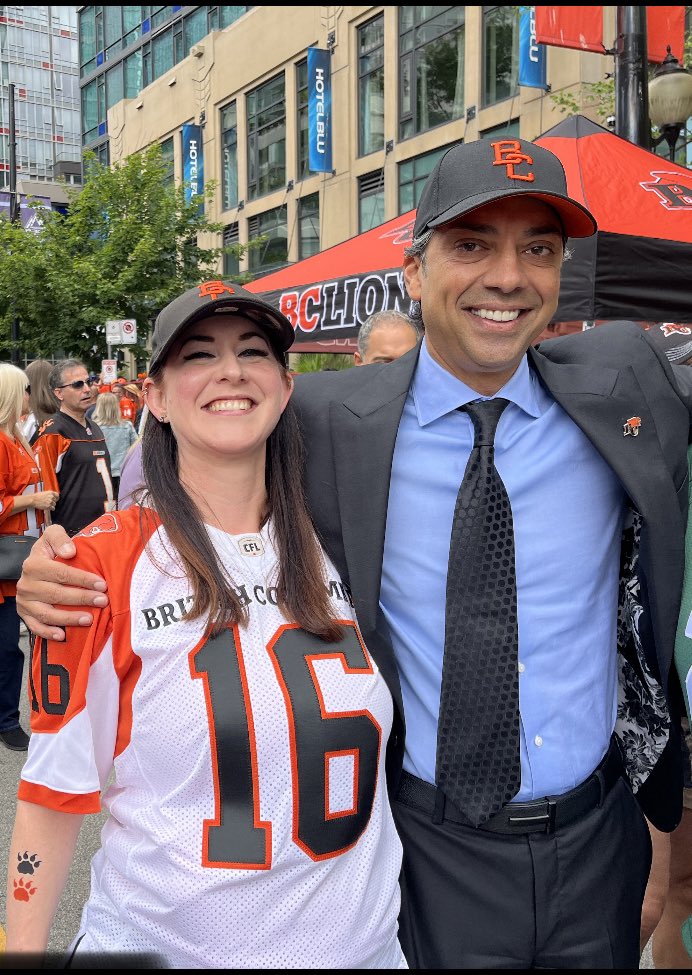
point(14, 213)
point(670, 101)
point(631, 105)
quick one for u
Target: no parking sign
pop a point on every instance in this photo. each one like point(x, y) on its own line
point(121, 331)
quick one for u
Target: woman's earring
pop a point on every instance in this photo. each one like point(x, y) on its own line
point(163, 418)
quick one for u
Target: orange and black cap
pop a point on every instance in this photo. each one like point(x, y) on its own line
point(218, 297)
point(471, 174)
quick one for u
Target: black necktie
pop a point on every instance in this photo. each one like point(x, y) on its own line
point(478, 765)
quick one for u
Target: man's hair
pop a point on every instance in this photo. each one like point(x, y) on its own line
point(383, 318)
point(60, 368)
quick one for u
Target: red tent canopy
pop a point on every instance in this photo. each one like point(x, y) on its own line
point(638, 266)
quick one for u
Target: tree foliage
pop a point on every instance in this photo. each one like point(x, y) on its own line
point(127, 246)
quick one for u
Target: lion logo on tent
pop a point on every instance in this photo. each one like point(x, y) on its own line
point(674, 190)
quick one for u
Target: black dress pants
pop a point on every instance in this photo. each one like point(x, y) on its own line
point(571, 899)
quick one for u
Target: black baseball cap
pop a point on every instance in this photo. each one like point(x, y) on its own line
point(471, 174)
point(214, 297)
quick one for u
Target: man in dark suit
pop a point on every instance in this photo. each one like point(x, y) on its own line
point(590, 446)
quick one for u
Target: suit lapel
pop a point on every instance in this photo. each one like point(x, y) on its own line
point(601, 400)
point(364, 428)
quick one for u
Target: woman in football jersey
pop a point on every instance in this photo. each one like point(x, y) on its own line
point(22, 506)
point(226, 689)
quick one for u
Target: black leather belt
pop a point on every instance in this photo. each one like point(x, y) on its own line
point(538, 816)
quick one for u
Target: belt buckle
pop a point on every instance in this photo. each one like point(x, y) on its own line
point(547, 819)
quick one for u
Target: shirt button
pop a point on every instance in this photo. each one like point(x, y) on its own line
point(538, 741)
point(521, 668)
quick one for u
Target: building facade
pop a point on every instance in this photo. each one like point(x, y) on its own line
point(39, 66)
point(224, 90)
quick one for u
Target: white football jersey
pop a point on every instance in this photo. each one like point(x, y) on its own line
point(244, 775)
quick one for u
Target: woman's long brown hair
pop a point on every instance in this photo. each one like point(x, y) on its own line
point(301, 590)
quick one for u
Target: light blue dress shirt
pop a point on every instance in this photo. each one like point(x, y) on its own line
point(568, 508)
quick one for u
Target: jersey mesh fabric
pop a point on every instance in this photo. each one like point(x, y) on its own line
point(156, 888)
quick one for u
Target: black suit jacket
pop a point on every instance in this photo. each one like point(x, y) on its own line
point(602, 378)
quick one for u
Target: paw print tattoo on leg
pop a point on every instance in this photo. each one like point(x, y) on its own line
point(26, 863)
point(23, 890)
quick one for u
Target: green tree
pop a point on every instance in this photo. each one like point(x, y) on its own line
point(318, 361)
point(127, 246)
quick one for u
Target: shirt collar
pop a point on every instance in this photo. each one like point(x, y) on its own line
point(437, 392)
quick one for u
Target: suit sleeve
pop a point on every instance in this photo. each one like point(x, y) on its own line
point(683, 638)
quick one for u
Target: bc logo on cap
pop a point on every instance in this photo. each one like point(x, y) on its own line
point(212, 289)
point(508, 153)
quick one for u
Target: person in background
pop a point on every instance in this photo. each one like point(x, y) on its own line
point(94, 390)
point(22, 505)
point(224, 703)
point(71, 451)
point(385, 336)
point(120, 434)
point(131, 475)
point(133, 392)
point(42, 400)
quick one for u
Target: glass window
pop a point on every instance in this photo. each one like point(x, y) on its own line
point(501, 131)
point(229, 157)
point(133, 75)
point(132, 24)
point(266, 120)
point(90, 114)
point(231, 262)
point(87, 36)
point(114, 85)
point(370, 200)
point(431, 72)
point(412, 176)
point(303, 168)
point(500, 54)
point(162, 53)
point(371, 86)
point(273, 253)
point(308, 225)
point(194, 28)
point(112, 25)
point(229, 15)
point(159, 15)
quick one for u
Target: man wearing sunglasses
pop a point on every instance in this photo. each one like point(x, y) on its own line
point(72, 453)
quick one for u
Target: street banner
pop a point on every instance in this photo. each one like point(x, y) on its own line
point(29, 216)
point(582, 28)
point(193, 163)
point(532, 71)
point(664, 26)
point(577, 27)
point(319, 110)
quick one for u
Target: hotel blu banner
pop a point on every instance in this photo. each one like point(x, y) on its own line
point(319, 110)
point(193, 163)
point(532, 72)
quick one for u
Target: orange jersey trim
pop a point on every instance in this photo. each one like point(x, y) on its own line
point(59, 801)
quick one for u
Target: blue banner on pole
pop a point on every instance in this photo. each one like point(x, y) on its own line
point(319, 110)
point(532, 71)
point(193, 163)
